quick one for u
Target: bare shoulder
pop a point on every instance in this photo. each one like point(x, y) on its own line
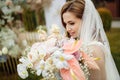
point(98, 52)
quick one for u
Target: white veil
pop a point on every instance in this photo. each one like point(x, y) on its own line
point(92, 31)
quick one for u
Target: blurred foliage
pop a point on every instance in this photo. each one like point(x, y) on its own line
point(106, 18)
point(40, 15)
point(32, 17)
point(29, 19)
point(116, 57)
point(99, 3)
point(114, 39)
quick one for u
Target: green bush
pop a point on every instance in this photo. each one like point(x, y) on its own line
point(114, 39)
point(29, 20)
point(116, 57)
point(106, 18)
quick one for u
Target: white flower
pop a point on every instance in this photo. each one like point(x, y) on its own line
point(6, 10)
point(4, 50)
point(26, 62)
point(35, 46)
point(42, 35)
point(33, 56)
point(51, 42)
point(0, 52)
point(49, 64)
point(51, 45)
point(48, 75)
point(22, 72)
point(55, 32)
point(60, 59)
point(55, 29)
point(42, 51)
point(40, 67)
point(38, 51)
point(42, 55)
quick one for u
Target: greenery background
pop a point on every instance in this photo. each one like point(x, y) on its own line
point(114, 39)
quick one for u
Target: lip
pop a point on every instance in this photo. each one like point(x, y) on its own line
point(72, 33)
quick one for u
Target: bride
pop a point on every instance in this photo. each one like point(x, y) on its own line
point(81, 21)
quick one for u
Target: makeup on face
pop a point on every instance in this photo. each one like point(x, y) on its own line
point(72, 24)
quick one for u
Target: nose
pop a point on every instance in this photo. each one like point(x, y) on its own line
point(68, 28)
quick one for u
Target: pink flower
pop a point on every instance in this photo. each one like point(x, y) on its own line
point(71, 46)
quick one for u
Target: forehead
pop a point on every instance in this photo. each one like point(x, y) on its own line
point(69, 16)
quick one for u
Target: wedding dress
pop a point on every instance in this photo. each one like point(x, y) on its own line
point(92, 34)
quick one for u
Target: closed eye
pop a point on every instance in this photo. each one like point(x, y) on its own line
point(72, 23)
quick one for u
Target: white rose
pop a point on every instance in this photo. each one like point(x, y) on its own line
point(4, 50)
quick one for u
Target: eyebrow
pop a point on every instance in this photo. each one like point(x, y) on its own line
point(69, 21)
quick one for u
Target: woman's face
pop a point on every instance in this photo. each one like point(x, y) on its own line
point(73, 24)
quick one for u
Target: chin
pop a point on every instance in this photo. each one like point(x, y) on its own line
point(74, 37)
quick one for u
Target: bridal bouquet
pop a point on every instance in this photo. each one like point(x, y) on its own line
point(56, 58)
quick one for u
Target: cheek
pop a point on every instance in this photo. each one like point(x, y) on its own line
point(77, 27)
